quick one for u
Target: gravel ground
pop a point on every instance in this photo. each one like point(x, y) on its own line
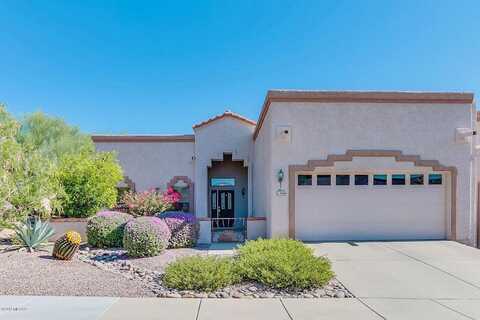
point(23, 273)
point(149, 271)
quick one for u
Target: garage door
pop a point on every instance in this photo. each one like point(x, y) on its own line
point(359, 206)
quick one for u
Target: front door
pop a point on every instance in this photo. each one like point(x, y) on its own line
point(222, 204)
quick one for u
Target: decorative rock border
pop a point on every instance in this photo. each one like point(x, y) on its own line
point(116, 261)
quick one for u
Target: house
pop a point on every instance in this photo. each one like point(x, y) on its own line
point(322, 166)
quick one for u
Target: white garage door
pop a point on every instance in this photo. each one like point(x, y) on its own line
point(370, 206)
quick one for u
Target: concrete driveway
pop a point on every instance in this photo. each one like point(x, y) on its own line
point(409, 280)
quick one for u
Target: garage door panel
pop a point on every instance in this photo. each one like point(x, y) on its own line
point(370, 212)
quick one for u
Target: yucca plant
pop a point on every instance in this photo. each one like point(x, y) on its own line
point(33, 234)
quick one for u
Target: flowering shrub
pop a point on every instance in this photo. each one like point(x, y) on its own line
point(145, 237)
point(183, 226)
point(105, 230)
point(149, 202)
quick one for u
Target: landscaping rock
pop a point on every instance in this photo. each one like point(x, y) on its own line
point(114, 261)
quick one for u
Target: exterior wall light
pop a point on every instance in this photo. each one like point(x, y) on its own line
point(280, 177)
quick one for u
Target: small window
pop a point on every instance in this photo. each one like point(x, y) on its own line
point(342, 179)
point(416, 179)
point(380, 179)
point(361, 179)
point(398, 179)
point(324, 180)
point(435, 178)
point(304, 180)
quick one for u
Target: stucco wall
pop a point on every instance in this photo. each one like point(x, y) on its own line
point(320, 129)
point(226, 135)
point(152, 164)
point(262, 173)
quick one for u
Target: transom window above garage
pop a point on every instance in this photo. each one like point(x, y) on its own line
point(342, 179)
point(435, 178)
point(361, 179)
point(304, 179)
point(416, 179)
point(378, 179)
point(324, 180)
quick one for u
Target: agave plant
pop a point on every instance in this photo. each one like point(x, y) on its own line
point(33, 234)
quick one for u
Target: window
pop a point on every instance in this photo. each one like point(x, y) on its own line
point(435, 178)
point(223, 182)
point(183, 189)
point(416, 179)
point(361, 180)
point(304, 179)
point(324, 180)
point(342, 179)
point(380, 179)
point(398, 179)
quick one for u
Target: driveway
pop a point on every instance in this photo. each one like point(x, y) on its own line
point(402, 280)
point(391, 280)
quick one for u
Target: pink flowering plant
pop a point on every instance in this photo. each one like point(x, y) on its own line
point(150, 202)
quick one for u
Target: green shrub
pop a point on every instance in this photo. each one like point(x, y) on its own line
point(27, 179)
point(105, 230)
point(199, 273)
point(90, 182)
point(145, 237)
point(283, 263)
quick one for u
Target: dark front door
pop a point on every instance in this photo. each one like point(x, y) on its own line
point(222, 204)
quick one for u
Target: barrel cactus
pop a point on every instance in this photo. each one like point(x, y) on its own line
point(66, 246)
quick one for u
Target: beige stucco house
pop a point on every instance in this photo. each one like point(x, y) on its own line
point(322, 166)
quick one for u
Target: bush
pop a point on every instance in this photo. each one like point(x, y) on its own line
point(149, 202)
point(283, 263)
point(145, 237)
point(183, 227)
point(27, 179)
point(105, 230)
point(199, 273)
point(90, 182)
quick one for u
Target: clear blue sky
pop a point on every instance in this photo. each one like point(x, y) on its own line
point(159, 67)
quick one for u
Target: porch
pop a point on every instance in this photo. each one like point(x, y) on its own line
point(231, 230)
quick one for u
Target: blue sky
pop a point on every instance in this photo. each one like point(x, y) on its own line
point(159, 67)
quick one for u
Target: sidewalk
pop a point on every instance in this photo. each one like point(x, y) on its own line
point(89, 308)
